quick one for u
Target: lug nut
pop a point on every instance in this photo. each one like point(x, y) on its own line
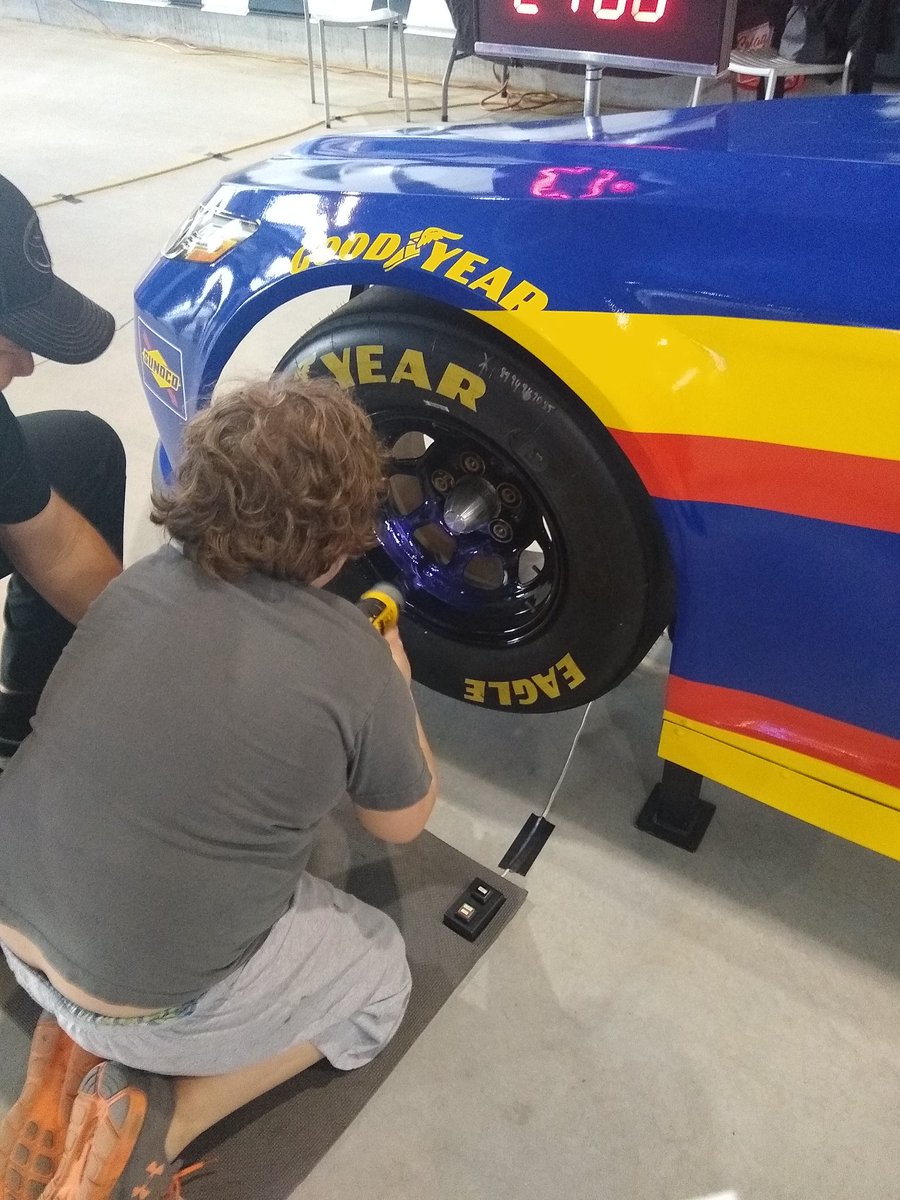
point(510, 497)
point(442, 481)
point(472, 463)
point(501, 531)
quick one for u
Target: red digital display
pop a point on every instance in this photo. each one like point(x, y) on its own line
point(650, 11)
point(677, 35)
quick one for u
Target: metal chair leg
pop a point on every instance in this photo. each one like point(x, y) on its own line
point(403, 69)
point(365, 49)
point(845, 77)
point(445, 83)
point(390, 31)
point(771, 81)
point(324, 74)
point(309, 53)
point(695, 98)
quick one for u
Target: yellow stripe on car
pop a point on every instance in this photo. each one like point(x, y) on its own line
point(821, 387)
point(851, 806)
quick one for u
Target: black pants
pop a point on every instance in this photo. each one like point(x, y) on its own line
point(84, 461)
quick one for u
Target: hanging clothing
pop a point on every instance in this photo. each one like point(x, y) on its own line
point(834, 27)
point(463, 14)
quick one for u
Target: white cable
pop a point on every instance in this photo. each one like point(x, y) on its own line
point(568, 761)
point(563, 772)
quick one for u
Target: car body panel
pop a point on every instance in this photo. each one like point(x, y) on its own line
point(719, 288)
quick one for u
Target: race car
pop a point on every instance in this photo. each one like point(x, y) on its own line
point(634, 373)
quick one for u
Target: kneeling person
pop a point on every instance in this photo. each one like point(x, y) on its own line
point(213, 706)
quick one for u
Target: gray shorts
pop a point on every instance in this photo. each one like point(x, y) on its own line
point(332, 972)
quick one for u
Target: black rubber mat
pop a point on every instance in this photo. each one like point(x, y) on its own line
point(268, 1148)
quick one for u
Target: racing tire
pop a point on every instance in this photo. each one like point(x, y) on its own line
point(535, 572)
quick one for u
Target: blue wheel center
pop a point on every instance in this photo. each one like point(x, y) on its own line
point(465, 532)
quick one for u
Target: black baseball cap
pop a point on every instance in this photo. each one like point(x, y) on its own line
point(39, 312)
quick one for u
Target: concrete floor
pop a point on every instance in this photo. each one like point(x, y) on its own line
point(655, 1025)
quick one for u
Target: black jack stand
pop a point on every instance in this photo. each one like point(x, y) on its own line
point(674, 810)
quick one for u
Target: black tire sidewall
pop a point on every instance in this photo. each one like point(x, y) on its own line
point(603, 621)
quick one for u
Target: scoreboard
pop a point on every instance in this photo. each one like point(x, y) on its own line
point(690, 37)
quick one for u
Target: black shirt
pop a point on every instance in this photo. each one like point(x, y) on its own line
point(24, 492)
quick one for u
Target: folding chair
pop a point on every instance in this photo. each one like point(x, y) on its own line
point(353, 14)
point(772, 66)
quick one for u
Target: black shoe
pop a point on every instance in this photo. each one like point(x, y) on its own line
point(16, 711)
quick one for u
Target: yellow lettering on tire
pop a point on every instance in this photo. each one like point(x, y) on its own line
point(301, 261)
point(411, 369)
point(525, 691)
point(368, 364)
point(339, 367)
point(570, 671)
point(464, 386)
point(548, 683)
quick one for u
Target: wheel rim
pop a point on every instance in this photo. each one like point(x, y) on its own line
point(465, 532)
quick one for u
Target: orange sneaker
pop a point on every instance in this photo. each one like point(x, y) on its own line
point(115, 1147)
point(33, 1132)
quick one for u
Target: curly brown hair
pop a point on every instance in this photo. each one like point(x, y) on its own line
point(281, 477)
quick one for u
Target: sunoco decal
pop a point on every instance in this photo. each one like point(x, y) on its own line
point(162, 369)
point(433, 250)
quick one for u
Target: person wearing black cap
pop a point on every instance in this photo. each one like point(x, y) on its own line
point(62, 474)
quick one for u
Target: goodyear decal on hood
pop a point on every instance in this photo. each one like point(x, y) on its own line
point(432, 250)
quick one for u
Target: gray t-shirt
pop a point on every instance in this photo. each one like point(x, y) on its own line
point(155, 824)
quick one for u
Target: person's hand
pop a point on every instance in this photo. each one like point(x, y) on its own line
point(392, 637)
